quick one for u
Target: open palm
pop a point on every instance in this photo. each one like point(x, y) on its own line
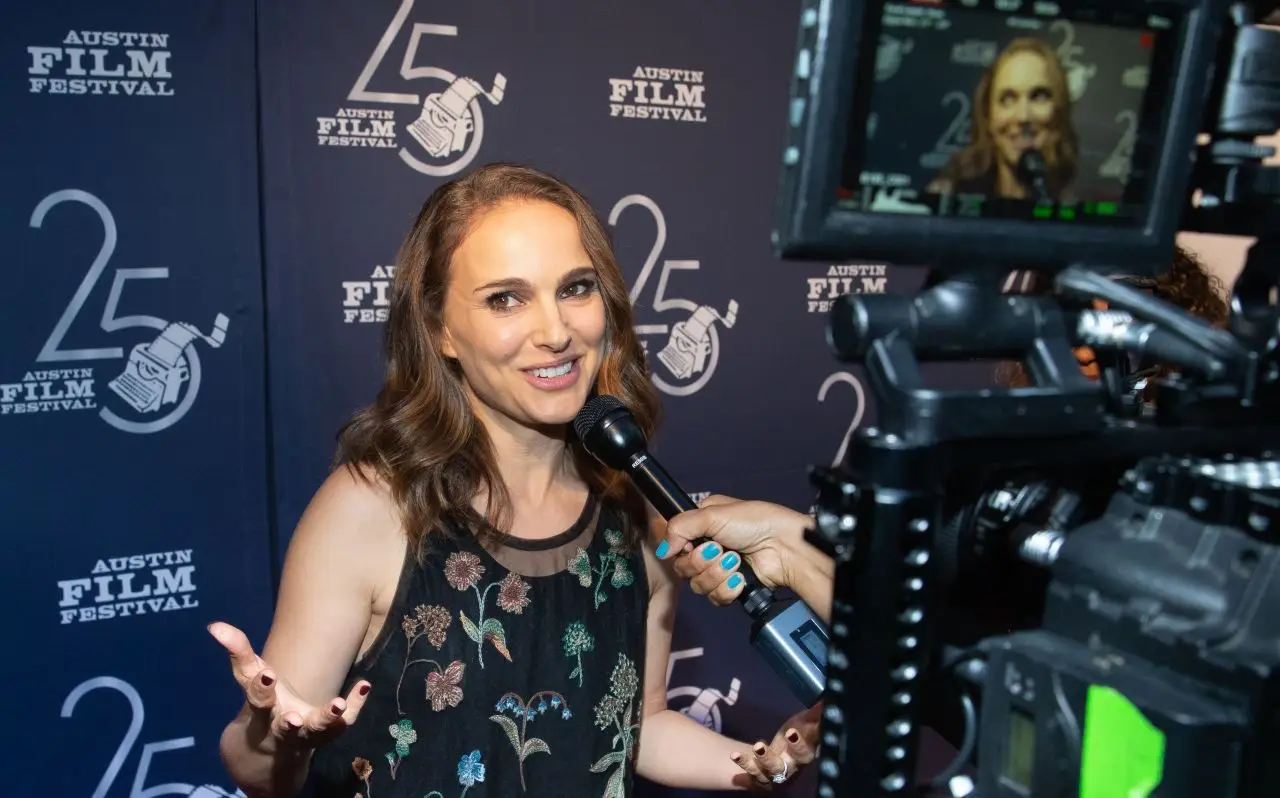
point(279, 717)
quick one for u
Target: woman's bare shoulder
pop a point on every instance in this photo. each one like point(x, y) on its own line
point(354, 512)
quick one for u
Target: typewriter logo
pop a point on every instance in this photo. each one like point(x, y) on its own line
point(687, 348)
point(441, 129)
point(699, 704)
point(160, 377)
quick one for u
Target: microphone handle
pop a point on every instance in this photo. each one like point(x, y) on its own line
point(669, 499)
point(788, 635)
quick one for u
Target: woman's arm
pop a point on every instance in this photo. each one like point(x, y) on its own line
point(335, 563)
point(675, 751)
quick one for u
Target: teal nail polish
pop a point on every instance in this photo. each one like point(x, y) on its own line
point(710, 551)
point(734, 581)
point(663, 548)
point(729, 561)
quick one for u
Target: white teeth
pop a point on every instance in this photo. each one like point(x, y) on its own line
point(556, 371)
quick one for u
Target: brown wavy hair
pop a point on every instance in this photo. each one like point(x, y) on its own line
point(978, 159)
point(420, 435)
point(1186, 283)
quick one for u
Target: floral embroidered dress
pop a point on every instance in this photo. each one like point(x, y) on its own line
point(504, 672)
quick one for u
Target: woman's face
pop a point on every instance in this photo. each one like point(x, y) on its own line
point(523, 314)
point(1022, 106)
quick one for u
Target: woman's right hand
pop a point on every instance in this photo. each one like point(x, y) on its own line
point(279, 717)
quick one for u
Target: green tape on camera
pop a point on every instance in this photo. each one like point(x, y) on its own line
point(1122, 753)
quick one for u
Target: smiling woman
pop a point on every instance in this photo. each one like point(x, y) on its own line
point(461, 495)
point(1022, 102)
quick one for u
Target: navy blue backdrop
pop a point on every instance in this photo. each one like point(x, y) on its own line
point(200, 208)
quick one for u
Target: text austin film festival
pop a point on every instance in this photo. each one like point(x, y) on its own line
point(96, 383)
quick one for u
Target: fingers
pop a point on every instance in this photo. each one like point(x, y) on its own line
point(763, 763)
point(244, 662)
point(261, 690)
point(682, 529)
point(686, 527)
point(801, 749)
point(355, 701)
point(714, 499)
point(711, 573)
point(319, 723)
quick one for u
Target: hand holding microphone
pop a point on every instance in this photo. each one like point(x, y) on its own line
point(787, 634)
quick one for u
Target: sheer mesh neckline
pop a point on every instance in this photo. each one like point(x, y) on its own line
point(555, 541)
point(543, 556)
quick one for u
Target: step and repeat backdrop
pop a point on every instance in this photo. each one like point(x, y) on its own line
point(200, 211)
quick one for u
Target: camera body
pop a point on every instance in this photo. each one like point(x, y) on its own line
point(1145, 663)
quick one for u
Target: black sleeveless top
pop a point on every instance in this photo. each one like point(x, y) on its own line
point(515, 670)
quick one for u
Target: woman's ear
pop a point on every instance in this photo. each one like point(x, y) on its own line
point(446, 344)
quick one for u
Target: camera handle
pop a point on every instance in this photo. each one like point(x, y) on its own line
point(879, 514)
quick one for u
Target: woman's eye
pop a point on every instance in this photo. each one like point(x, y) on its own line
point(580, 288)
point(503, 301)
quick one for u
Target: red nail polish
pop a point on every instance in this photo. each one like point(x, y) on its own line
point(267, 681)
point(759, 749)
point(335, 710)
point(793, 736)
point(364, 689)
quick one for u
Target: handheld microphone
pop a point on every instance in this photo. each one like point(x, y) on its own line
point(786, 633)
point(1033, 171)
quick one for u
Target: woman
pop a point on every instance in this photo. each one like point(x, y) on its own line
point(1021, 102)
point(471, 581)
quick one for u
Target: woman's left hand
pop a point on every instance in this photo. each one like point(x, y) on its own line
point(794, 746)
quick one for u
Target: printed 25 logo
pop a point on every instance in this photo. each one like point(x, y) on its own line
point(437, 130)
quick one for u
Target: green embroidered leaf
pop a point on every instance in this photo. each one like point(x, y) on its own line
point(576, 673)
point(616, 786)
point(580, 566)
point(613, 537)
point(469, 627)
point(607, 761)
point(402, 748)
point(533, 745)
point(509, 726)
point(492, 630)
point(621, 575)
point(391, 758)
point(601, 598)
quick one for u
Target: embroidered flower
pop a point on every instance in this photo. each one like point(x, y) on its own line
point(443, 686)
point(470, 769)
point(404, 735)
point(526, 712)
point(463, 570)
point(614, 538)
point(621, 574)
point(362, 768)
point(618, 708)
point(580, 566)
point(613, 570)
point(624, 681)
point(513, 594)
point(577, 641)
point(433, 621)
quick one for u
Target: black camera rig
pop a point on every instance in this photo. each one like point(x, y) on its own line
point(1149, 665)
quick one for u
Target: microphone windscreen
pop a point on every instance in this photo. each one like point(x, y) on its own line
point(593, 411)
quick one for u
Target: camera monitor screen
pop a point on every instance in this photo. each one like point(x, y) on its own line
point(1048, 112)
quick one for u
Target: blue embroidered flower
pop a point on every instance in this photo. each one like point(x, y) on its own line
point(530, 714)
point(470, 769)
point(542, 707)
point(566, 714)
point(555, 701)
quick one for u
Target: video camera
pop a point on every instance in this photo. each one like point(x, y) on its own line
point(1147, 663)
